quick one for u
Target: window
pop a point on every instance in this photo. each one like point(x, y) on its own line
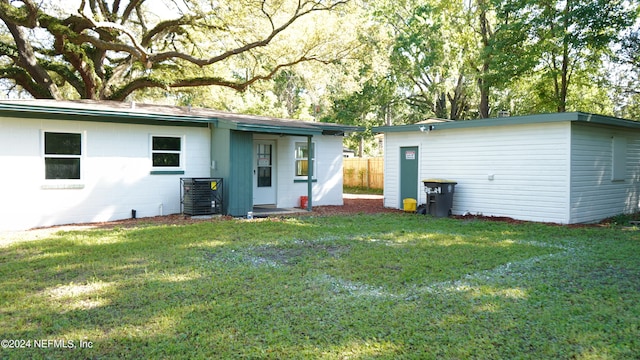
point(166, 151)
point(265, 165)
point(302, 159)
point(619, 158)
point(62, 154)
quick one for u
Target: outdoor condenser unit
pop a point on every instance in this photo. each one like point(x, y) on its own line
point(201, 196)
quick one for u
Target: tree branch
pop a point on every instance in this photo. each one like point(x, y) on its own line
point(26, 55)
point(146, 82)
point(164, 26)
point(136, 49)
point(249, 46)
point(21, 77)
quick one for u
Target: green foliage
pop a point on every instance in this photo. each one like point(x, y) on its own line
point(365, 63)
point(111, 46)
point(568, 40)
point(386, 286)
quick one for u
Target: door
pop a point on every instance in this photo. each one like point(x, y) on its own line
point(264, 173)
point(408, 173)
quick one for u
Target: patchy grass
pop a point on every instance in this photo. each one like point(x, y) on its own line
point(361, 190)
point(384, 286)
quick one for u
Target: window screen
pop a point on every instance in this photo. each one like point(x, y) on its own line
point(62, 155)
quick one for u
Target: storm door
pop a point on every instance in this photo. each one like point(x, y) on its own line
point(264, 173)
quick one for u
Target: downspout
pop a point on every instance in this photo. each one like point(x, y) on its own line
point(309, 173)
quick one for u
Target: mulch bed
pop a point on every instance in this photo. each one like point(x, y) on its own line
point(355, 206)
point(350, 207)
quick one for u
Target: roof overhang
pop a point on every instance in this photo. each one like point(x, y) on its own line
point(267, 127)
point(149, 114)
point(515, 120)
point(22, 110)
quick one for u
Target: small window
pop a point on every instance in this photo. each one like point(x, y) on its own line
point(619, 160)
point(302, 159)
point(62, 155)
point(166, 151)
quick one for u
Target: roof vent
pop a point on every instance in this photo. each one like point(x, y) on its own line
point(503, 113)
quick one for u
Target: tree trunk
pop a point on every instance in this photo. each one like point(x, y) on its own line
point(483, 84)
point(47, 89)
point(564, 82)
point(457, 100)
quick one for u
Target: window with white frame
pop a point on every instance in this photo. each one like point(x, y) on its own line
point(166, 152)
point(62, 155)
point(302, 159)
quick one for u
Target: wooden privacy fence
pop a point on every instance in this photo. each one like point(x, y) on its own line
point(364, 172)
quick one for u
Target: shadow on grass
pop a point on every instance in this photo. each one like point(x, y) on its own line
point(330, 287)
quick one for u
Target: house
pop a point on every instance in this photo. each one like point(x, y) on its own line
point(563, 168)
point(90, 161)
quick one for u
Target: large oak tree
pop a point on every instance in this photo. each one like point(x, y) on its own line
point(110, 49)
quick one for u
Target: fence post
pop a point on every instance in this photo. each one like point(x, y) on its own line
point(369, 173)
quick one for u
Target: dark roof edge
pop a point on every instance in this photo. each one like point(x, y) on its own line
point(202, 118)
point(22, 110)
point(517, 120)
point(267, 128)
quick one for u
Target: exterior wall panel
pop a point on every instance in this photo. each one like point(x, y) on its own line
point(116, 173)
point(327, 187)
point(519, 171)
point(594, 194)
point(393, 142)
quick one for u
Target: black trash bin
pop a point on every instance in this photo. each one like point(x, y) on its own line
point(439, 196)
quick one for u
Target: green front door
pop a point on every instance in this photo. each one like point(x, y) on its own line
point(408, 173)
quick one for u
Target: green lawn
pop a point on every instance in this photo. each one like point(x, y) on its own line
point(361, 190)
point(369, 286)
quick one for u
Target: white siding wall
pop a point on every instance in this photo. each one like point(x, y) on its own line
point(392, 144)
point(594, 195)
point(115, 166)
point(529, 164)
point(327, 190)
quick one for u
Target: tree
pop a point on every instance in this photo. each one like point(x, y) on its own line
point(109, 50)
point(627, 76)
point(428, 55)
point(572, 36)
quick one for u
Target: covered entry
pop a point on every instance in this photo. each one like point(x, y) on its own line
point(258, 156)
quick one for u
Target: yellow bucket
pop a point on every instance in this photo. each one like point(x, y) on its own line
point(409, 205)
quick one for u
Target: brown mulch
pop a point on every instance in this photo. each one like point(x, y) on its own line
point(355, 206)
point(351, 206)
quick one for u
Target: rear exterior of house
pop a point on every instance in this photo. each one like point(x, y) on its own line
point(77, 162)
point(74, 171)
point(561, 168)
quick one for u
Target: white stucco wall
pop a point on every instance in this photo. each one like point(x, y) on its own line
point(115, 166)
point(519, 171)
